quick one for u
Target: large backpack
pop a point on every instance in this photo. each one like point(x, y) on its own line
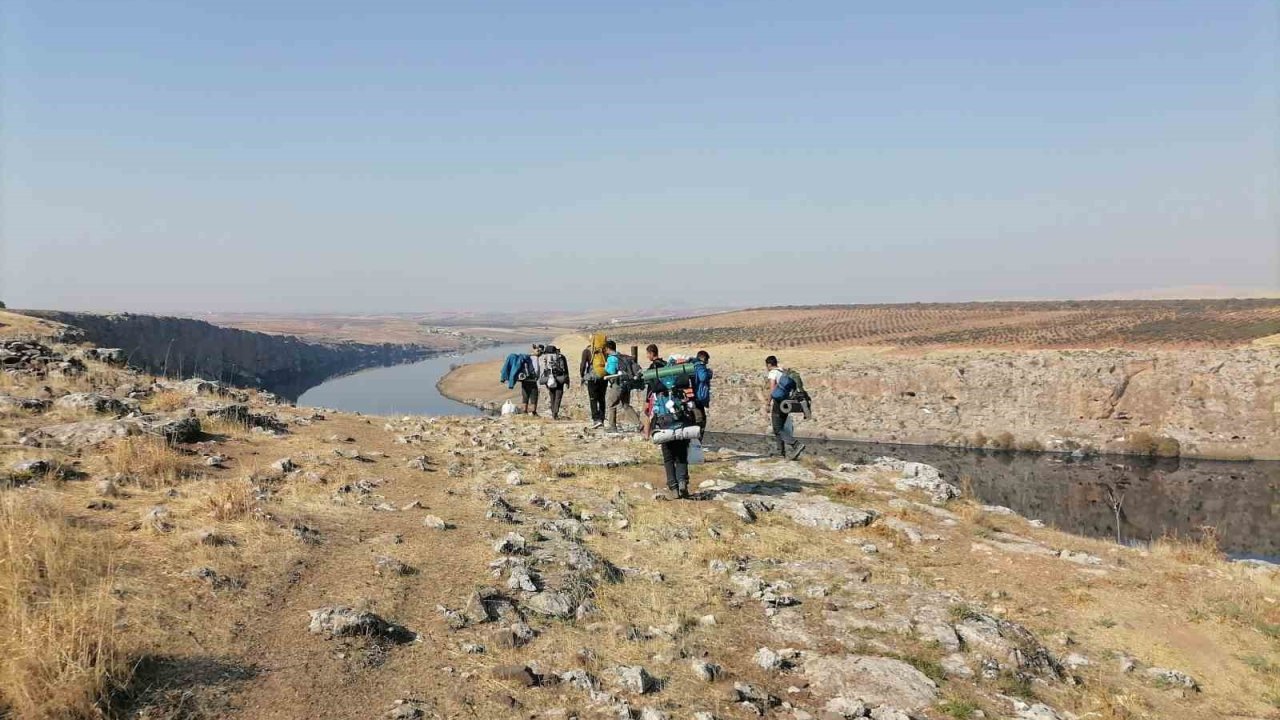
point(789, 383)
point(628, 368)
point(598, 357)
point(671, 409)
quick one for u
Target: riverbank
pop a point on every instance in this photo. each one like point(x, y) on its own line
point(1205, 403)
point(282, 562)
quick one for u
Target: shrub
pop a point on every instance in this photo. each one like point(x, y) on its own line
point(1144, 443)
point(1030, 446)
point(231, 500)
point(1003, 441)
point(979, 440)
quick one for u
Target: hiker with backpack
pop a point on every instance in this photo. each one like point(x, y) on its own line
point(702, 387)
point(782, 387)
point(620, 370)
point(591, 371)
point(529, 381)
point(553, 375)
point(669, 422)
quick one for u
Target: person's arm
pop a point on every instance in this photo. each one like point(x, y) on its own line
point(768, 398)
point(586, 362)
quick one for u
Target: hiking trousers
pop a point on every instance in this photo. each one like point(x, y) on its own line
point(675, 460)
point(595, 398)
point(555, 396)
point(779, 418)
point(529, 393)
point(618, 398)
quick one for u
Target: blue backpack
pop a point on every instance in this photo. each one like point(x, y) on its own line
point(702, 384)
point(785, 387)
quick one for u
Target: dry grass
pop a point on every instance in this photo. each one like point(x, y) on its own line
point(231, 500)
point(168, 401)
point(59, 650)
point(1201, 550)
point(147, 461)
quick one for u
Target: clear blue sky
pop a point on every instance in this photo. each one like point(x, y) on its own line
point(380, 156)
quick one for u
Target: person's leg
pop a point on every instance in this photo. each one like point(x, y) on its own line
point(780, 428)
point(680, 461)
point(669, 464)
point(533, 397)
point(595, 399)
point(524, 396)
point(556, 396)
point(612, 399)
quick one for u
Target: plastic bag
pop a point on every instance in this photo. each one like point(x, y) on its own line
point(509, 408)
point(695, 453)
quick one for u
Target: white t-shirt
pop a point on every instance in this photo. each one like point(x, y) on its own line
point(775, 374)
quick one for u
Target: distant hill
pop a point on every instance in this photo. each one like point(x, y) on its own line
point(1191, 292)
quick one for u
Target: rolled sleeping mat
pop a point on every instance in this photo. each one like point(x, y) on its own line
point(790, 406)
point(692, 432)
point(681, 370)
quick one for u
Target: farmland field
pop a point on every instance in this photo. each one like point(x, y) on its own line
point(1048, 324)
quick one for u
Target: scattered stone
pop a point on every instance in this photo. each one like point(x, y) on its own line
point(422, 462)
point(653, 714)
point(512, 544)
point(343, 621)
point(755, 696)
point(1172, 678)
point(390, 567)
point(515, 478)
point(157, 518)
point(284, 466)
point(404, 711)
point(844, 707)
point(551, 604)
point(215, 579)
point(517, 674)
point(768, 659)
point(634, 679)
point(472, 648)
point(412, 505)
point(215, 461)
point(706, 671)
point(435, 523)
point(100, 505)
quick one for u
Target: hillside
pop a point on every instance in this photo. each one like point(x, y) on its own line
point(190, 550)
point(1012, 325)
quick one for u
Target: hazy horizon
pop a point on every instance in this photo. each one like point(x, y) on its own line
point(285, 157)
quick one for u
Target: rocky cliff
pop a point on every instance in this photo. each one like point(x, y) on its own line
point(182, 347)
point(1215, 403)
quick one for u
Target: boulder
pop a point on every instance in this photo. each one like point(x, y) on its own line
point(343, 621)
point(96, 403)
point(877, 680)
point(551, 604)
point(79, 434)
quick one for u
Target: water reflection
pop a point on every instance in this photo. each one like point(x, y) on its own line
point(1123, 498)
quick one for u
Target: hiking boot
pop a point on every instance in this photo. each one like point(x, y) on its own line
point(795, 453)
point(682, 492)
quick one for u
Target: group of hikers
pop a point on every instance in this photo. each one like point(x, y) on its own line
point(676, 391)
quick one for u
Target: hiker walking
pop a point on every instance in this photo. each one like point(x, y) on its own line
point(702, 387)
point(592, 371)
point(554, 375)
point(779, 390)
point(529, 382)
point(618, 369)
point(668, 421)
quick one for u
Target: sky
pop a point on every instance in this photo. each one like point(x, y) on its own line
point(409, 156)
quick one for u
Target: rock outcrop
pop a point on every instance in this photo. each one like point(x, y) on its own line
point(184, 347)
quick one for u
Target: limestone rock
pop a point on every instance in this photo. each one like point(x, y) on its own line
point(878, 680)
point(634, 679)
point(343, 621)
point(551, 604)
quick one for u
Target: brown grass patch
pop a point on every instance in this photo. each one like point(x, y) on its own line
point(59, 650)
point(1201, 550)
point(168, 401)
point(231, 500)
point(149, 462)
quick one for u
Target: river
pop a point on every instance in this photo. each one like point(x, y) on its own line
point(1129, 499)
point(402, 389)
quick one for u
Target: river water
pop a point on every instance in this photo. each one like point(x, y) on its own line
point(1132, 500)
point(402, 389)
point(1129, 499)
